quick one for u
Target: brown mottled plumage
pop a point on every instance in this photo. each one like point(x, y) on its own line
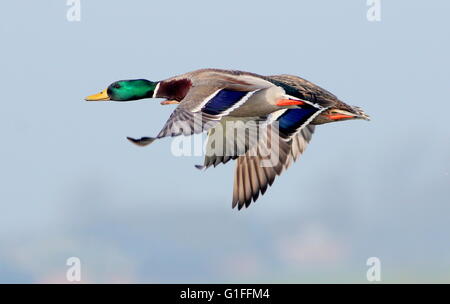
point(304, 89)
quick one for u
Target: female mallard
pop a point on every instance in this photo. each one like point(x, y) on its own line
point(282, 108)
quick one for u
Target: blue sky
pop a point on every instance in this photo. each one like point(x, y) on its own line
point(73, 186)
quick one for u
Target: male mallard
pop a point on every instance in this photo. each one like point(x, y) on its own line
point(284, 108)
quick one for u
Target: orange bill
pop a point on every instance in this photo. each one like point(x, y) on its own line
point(338, 116)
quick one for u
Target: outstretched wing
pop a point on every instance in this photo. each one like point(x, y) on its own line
point(202, 108)
point(257, 169)
point(232, 138)
point(299, 143)
point(252, 176)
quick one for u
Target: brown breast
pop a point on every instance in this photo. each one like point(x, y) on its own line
point(174, 89)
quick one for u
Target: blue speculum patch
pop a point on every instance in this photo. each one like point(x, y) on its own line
point(292, 119)
point(223, 100)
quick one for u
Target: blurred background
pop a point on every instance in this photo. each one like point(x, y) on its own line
point(71, 185)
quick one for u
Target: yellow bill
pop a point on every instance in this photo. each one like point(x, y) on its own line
point(103, 95)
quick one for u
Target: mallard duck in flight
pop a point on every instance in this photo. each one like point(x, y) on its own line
point(282, 109)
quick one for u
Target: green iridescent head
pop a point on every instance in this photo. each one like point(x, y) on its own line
point(126, 90)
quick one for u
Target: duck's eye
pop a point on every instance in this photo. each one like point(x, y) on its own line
point(116, 86)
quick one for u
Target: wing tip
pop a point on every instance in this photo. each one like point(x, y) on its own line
point(141, 142)
point(200, 167)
